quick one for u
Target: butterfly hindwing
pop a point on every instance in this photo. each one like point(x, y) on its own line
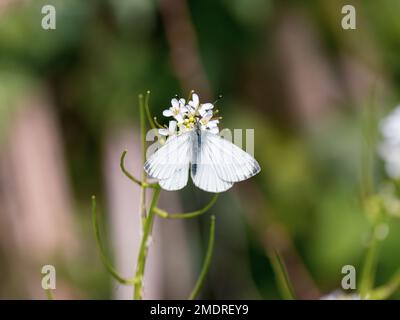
point(170, 163)
point(178, 180)
point(203, 172)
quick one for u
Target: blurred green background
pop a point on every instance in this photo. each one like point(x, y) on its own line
point(312, 91)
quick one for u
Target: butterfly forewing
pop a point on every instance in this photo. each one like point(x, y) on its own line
point(231, 163)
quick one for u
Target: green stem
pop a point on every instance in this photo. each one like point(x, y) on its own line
point(369, 268)
point(143, 249)
point(207, 261)
point(369, 131)
point(49, 294)
point(130, 176)
point(142, 201)
point(100, 246)
point(388, 289)
point(147, 108)
point(164, 214)
point(159, 124)
point(282, 276)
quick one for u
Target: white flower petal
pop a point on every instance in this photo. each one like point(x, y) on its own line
point(202, 112)
point(179, 118)
point(190, 109)
point(195, 100)
point(208, 115)
point(175, 103)
point(172, 126)
point(205, 113)
point(204, 108)
point(184, 109)
point(207, 106)
point(390, 126)
point(389, 149)
point(167, 113)
point(163, 132)
point(393, 169)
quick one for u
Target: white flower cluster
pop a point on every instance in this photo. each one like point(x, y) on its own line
point(188, 115)
point(389, 149)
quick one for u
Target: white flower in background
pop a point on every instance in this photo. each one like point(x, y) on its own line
point(389, 149)
point(206, 123)
point(390, 127)
point(178, 110)
point(391, 155)
point(170, 131)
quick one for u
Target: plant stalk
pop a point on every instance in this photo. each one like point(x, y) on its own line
point(144, 244)
point(142, 201)
point(207, 261)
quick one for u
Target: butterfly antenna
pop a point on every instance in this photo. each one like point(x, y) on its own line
point(219, 98)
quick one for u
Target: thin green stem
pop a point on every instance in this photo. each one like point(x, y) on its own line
point(49, 294)
point(369, 267)
point(143, 249)
point(282, 276)
point(370, 134)
point(388, 289)
point(100, 246)
point(158, 124)
point(207, 261)
point(147, 108)
point(369, 131)
point(142, 201)
point(164, 214)
point(130, 176)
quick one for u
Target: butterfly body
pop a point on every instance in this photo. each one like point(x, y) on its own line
point(196, 139)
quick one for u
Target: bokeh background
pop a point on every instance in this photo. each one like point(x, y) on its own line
point(312, 91)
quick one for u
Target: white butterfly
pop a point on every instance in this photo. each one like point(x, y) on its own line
point(215, 164)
